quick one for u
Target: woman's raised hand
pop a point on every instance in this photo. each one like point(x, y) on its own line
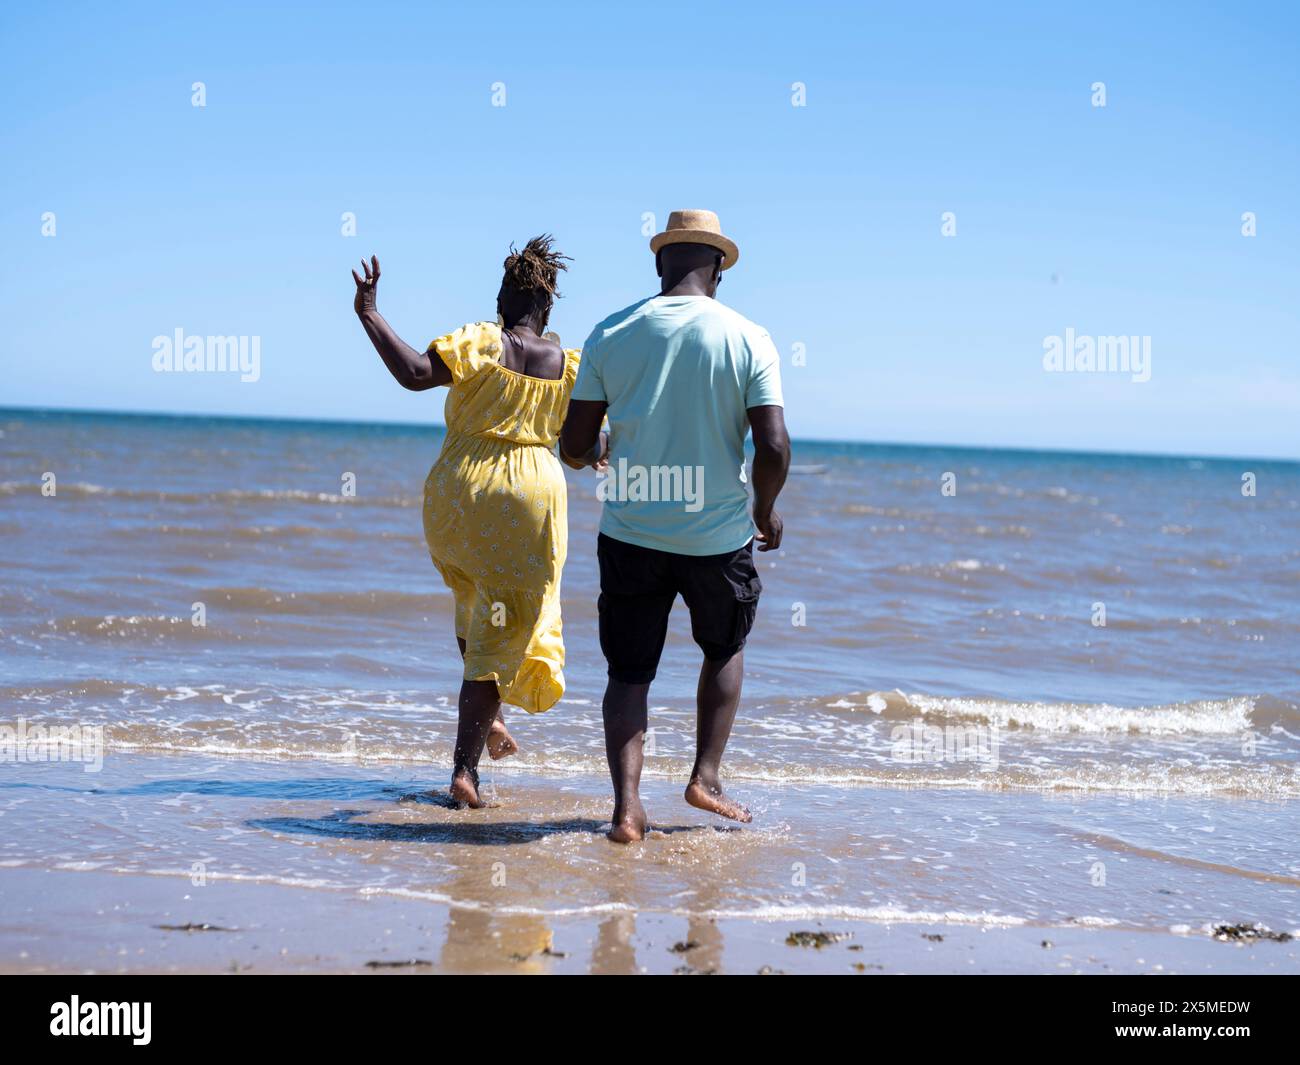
point(365, 297)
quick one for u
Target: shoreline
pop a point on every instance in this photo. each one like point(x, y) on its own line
point(266, 928)
point(286, 866)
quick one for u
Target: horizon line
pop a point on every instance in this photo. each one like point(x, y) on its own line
point(1023, 448)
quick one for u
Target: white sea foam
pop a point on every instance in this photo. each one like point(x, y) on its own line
point(1206, 717)
point(773, 912)
point(1229, 779)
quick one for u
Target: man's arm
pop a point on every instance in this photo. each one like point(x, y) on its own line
point(416, 370)
point(582, 444)
point(771, 463)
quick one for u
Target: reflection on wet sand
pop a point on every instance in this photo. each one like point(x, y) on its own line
point(481, 940)
point(613, 953)
point(703, 943)
point(700, 953)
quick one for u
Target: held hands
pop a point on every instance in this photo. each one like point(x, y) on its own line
point(770, 529)
point(364, 301)
point(597, 458)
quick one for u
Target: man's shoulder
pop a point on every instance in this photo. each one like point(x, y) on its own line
point(738, 321)
point(620, 317)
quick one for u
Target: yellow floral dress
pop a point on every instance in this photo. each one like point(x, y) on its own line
point(496, 515)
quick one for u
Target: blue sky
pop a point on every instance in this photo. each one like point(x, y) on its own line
point(225, 220)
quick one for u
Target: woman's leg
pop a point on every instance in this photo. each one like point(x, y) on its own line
point(500, 744)
point(480, 704)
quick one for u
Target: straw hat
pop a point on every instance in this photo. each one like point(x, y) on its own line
point(696, 227)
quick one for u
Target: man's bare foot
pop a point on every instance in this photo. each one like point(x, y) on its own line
point(500, 744)
point(629, 825)
point(711, 799)
point(464, 789)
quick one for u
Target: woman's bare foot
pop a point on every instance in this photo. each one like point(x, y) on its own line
point(500, 744)
point(464, 789)
point(711, 799)
point(629, 825)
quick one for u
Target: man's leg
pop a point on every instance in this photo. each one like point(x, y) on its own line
point(717, 698)
point(635, 601)
point(722, 593)
point(624, 710)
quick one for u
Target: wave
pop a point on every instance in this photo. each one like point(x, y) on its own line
point(1105, 841)
point(129, 627)
point(296, 533)
point(324, 607)
point(429, 747)
point(83, 490)
point(1205, 717)
point(862, 740)
point(345, 604)
point(1267, 783)
point(962, 571)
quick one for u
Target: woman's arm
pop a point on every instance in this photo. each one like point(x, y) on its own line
point(582, 443)
point(416, 370)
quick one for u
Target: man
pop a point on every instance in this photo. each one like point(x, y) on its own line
point(682, 378)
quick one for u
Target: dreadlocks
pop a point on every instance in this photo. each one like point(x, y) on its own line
point(536, 269)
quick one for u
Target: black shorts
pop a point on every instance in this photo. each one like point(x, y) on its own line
point(638, 586)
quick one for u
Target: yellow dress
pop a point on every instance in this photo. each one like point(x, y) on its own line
point(496, 515)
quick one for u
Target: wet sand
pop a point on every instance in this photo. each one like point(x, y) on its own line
point(302, 866)
point(106, 923)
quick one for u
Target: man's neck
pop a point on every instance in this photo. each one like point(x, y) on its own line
point(698, 282)
point(687, 287)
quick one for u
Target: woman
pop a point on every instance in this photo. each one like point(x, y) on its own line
point(495, 505)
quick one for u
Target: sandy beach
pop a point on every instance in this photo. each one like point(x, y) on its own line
point(274, 929)
point(167, 871)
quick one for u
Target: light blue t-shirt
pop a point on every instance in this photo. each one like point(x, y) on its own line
point(678, 374)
